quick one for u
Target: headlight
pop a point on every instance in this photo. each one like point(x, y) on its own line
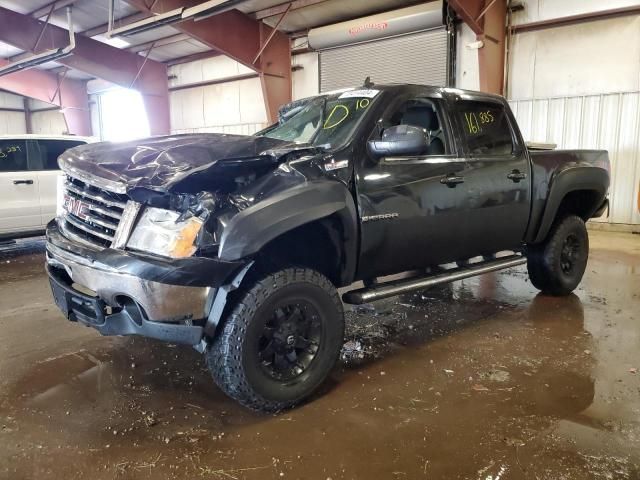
point(159, 232)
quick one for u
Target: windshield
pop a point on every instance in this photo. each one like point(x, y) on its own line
point(324, 120)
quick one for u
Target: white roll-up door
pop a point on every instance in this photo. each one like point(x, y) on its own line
point(413, 58)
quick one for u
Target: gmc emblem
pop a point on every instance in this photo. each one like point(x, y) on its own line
point(76, 207)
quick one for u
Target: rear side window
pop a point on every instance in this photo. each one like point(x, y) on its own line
point(486, 128)
point(50, 150)
point(13, 156)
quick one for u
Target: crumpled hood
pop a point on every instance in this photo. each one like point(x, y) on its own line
point(158, 163)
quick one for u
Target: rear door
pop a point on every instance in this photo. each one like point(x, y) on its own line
point(497, 176)
point(43, 155)
point(19, 202)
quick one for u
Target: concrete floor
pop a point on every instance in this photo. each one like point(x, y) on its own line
point(483, 379)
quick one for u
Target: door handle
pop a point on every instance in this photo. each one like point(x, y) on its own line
point(516, 176)
point(23, 182)
point(451, 180)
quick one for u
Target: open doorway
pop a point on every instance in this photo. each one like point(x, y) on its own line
point(123, 116)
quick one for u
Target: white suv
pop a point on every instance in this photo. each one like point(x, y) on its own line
point(28, 179)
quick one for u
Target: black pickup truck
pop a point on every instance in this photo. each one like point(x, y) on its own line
point(237, 245)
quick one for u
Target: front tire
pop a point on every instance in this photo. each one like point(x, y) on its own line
point(280, 340)
point(557, 265)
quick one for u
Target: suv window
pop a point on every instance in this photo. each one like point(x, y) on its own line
point(423, 113)
point(48, 151)
point(486, 127)
point(13, 156)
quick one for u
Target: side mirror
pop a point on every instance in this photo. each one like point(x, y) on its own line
point(400, 140)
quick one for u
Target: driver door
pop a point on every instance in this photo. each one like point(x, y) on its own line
point(411, 210)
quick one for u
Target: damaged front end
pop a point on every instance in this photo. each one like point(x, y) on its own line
point(135, 248)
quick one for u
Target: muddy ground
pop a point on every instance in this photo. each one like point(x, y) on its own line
point(483, 379)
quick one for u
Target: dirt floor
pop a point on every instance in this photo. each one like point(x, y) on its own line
point(483, 379)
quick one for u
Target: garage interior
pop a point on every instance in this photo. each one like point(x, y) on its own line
point(483, 378)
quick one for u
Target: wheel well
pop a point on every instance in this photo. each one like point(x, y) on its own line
point(579, 202)
point(316, 245)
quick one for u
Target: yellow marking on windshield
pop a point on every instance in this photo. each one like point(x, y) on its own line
point(362, 103)
point(332, 122)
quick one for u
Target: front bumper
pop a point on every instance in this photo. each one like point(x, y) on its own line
point(130, 294)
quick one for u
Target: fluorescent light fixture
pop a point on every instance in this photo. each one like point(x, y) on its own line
point(210, 8)
point(147, 24)
point(199, 12)
point(43, 57)
point(36, 60)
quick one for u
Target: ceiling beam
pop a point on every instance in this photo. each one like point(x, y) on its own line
point(69, 95)
point(241, 38)
point(92, 32)
point(97, 59)
point(576, 19)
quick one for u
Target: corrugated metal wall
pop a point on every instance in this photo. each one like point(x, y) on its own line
point(230, 107)
point(50, 122)
point(11, 122)
point(607, 121)
point(415, 58)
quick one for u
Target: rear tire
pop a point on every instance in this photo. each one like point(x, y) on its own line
point(280, 340)
point(557, 265)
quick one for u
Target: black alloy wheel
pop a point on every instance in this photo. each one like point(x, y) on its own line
point(569, 253)
point(290, 340)
point(279, 341)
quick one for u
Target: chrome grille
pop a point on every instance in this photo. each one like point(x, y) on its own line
point(91, 214)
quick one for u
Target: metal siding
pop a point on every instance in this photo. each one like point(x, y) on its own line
point(12, 123)
point(232, 107)
point(415, 58)
point(49, 122)
point(608, 121)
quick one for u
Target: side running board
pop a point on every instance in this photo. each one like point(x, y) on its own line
point(405, 285)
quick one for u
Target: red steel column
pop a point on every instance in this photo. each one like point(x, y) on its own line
point(275, 72)
point(487, 19)
point(491, 55)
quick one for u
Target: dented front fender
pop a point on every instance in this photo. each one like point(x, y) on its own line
point(254, 227)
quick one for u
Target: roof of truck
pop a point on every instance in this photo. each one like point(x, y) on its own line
point(400, 86)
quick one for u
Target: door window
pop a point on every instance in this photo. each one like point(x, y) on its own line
point(422, 113)
point(44, 153)
point(485, 127)
point(13, 156)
